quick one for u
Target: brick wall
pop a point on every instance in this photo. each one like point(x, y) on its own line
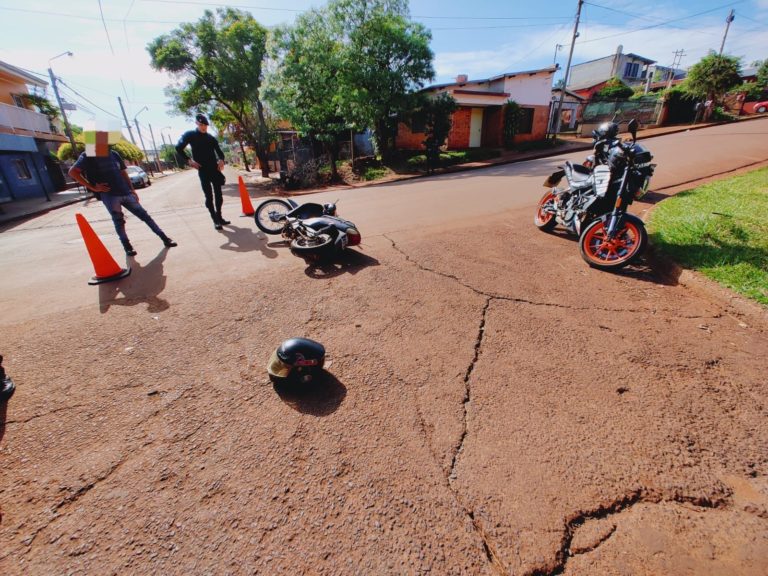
point(458, 138)
point(539, 130)
point(407, 140)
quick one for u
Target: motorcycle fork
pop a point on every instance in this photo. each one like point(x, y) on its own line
point(619, 209)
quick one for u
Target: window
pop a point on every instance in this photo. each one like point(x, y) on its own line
point(22, 170)
point(18, 100)
point(631, 70)
point(525, 121)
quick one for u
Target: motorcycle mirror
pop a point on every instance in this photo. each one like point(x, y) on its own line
point(632, 127)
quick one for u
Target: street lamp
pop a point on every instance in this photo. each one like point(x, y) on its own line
point(67, 129)
point(136, 122)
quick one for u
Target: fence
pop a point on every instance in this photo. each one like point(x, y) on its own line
point(645, 110)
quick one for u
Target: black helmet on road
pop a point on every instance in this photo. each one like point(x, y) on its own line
point(298, 359)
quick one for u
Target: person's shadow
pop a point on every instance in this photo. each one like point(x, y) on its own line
point(246, 240)
point(320, 397)
point(144, 285)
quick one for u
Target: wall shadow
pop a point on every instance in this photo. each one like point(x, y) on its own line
point(246, 240)
point(348, 262)
point(143, 286)
point(321, 397)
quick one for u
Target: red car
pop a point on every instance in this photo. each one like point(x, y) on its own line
point(760, 107)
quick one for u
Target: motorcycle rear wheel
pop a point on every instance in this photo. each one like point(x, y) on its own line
point(545, 220)
point(266, 210)
point(312, 248)
point(604, 254)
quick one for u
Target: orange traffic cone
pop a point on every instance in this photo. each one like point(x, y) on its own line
point(245, 199)
point(103, 264)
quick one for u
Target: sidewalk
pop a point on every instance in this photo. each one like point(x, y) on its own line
point(21, 209)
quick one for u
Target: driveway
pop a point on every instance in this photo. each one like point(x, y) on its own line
point(493, 406)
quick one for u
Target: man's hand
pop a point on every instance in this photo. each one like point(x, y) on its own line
point(221, 165)
point(194, 164)
point(100, 187)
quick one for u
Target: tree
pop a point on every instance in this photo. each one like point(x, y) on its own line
point(218, 61)
point(713, 76)
point(306, 89)
point(614, 89)
point(387, 59)
point(762, 74)
point(128, 151)
point(435, 114)
point(511, 118)
point(230, 129)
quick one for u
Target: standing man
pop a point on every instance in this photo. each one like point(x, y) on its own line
point(102, 171)
point(208, 159)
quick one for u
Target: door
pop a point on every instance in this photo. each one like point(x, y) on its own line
point(476, 128)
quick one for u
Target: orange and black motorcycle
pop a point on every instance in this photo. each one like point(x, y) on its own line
point(594, 203)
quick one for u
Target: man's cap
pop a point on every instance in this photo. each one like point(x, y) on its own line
point(201, 119)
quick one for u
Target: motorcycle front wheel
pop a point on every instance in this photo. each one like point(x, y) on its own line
point(543, 219)
point(312, 247)
point(268, 215)
point(604, 254)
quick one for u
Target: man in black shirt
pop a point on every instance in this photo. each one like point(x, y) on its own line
point(208, 159)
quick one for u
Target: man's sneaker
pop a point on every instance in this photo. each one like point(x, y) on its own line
point(217, 226)
point(129, 251)
point(224, 222)
point(169, 243)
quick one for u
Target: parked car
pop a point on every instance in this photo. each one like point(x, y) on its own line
point(760, 107)
point(139, 178)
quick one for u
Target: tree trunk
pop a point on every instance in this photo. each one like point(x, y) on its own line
point(245, 158)
point(261, 154)
point(333, 153)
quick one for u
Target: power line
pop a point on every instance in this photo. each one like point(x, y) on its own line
point(86, 99)
point(109, 40)
point(626, 32)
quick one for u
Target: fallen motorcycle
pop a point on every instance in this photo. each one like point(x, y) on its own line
point(314, 230)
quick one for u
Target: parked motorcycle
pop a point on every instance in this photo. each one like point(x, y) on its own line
point(313, 229)
point(594, 203)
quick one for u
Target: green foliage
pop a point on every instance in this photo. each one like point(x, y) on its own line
point(168, 154)
point(752, 91)
point(614, 89)
point(218, 60)
point(42, 104)
point(456, 157)
point(128, 151)
point(374, 173)
point(762, 74)
point(720, 230)
point(65, 151)
point(713, 76)
point(511, 119)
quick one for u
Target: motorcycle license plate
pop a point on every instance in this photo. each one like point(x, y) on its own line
point(643, 189)
point(602, 176)
point(344, 241)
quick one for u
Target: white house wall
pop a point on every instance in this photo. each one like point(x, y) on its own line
point(529, 90)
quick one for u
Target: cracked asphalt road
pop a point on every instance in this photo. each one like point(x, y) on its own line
point(493, 406)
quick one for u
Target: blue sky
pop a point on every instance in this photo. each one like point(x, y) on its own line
point(480, 38)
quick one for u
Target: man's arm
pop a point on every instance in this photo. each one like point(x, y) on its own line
point(182, 143)
point(77, 175)
point(219, 153)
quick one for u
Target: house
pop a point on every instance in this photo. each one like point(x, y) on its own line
point(27, 137)
point(479, 119)
point(588, 77)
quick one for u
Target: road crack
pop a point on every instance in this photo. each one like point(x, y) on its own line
point(43, 415)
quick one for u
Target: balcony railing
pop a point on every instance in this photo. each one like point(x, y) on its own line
point(18, 118)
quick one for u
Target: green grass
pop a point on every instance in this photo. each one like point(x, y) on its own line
point(720, 230)
point(374, 173)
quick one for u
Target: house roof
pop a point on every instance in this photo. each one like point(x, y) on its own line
point(551, 69)
point(629, 54)
point(24, 76)
point(569, 93)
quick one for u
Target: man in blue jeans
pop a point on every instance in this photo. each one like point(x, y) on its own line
point(102, 171)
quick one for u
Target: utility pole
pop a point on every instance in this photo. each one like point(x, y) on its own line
point(128, 124)
point(67, 129)
point(157, 160)
point(675, 63)
point(567, 71)
point(728, 21)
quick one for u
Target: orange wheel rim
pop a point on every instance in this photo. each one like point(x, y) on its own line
point(541, 216)
point(623, 246)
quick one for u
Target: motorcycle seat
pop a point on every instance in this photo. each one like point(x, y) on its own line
point(577, 174)
point(308, 210)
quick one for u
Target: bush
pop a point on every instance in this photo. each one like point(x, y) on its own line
point(374, 173)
